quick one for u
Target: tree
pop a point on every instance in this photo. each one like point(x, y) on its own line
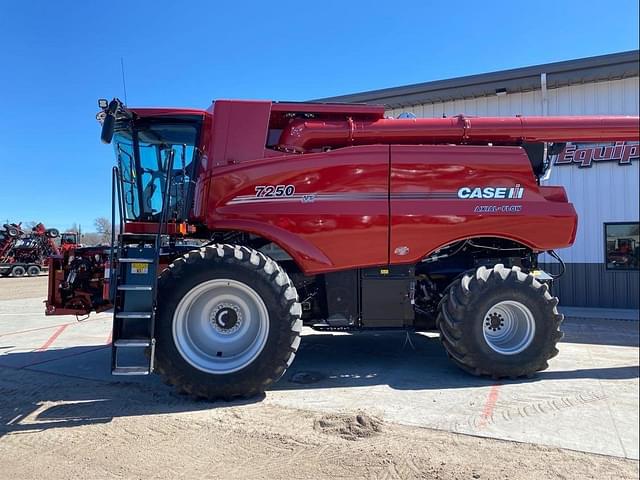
point(91, 239)
point(103, 228)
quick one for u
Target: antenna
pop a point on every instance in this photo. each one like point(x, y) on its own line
point(124, 84)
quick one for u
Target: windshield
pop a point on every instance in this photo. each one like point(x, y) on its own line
point(143, 155)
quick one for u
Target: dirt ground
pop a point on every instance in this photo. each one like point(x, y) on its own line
point(23, 287)
point(64, 427)
point(72, 428)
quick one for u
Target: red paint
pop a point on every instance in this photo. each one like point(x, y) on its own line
point(45, 328)
point(489, 405)
point(251, 143)
point(52, 338)
point(425, 225)
point(319, 235)
point(302, 135)
point(324, 236)
point(352, 109)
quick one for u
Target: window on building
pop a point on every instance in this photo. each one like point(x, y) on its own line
point(622, 245)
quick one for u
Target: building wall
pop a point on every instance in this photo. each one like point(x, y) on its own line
point(615, 97)
point(604, 192)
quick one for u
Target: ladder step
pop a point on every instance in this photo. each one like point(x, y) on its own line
point(138, 288)
point(130, 371)
point(146, 315)
point(132, 343)
point(136, 260)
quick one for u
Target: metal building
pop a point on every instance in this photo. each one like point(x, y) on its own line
point(602, 181)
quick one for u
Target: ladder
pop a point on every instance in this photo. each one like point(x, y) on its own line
point(136, 283)
point(133, 345)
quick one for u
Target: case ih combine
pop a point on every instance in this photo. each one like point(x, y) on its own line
point(330, 216)
point(26, 253)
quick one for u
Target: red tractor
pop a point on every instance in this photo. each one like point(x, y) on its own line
point(330, 216)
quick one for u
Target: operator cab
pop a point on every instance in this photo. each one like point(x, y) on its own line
point(151, 151)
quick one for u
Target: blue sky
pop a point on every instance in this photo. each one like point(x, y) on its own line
point(57, 58)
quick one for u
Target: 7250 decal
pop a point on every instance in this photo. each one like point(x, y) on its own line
point(275, 191)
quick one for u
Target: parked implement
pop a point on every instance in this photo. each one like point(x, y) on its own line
point(25, 253)
point(331, 216)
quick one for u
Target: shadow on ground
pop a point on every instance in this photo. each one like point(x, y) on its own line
point(71, 386)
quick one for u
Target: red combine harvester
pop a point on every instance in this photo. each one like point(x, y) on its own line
point(22, 253)
point(330, 216)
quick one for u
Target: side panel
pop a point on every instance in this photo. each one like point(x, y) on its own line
point(427, 211)
point(329, 211)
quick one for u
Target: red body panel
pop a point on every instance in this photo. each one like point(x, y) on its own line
point(345, 225)
point(352, 217)
point(427, 214)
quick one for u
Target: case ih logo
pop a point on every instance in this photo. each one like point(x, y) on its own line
point(584, 155)
point(491, 192)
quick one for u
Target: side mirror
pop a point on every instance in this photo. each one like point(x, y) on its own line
point(108, 122)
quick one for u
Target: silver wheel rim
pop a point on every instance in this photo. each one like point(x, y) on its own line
point(220, 326)
point(508, 327)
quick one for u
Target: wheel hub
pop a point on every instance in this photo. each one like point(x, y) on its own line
point(226, 318)
point(494, 322)
point(509, 327)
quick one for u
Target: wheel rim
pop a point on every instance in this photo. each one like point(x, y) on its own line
point(18, 271)
point(509, 327)
point(220, 326)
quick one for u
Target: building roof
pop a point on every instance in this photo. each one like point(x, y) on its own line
point(582, 70)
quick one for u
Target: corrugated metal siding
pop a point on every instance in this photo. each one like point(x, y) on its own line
point(592, 285)
point(605, 192)
point(614, 97)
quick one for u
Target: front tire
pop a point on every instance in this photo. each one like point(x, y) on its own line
point(500, 322)
point(228, 322)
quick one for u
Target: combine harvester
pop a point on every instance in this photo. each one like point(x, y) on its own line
point(330, 216)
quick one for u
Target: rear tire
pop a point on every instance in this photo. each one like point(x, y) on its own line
point(500, 322)
point(33, 270)
point(197, 295)
point(18, 271)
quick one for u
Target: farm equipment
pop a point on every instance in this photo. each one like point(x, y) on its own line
point(26, 253)
point(329, 216)
point(9, 235)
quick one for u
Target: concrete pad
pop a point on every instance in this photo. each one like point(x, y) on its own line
point(601, 313)
point(587, 400)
